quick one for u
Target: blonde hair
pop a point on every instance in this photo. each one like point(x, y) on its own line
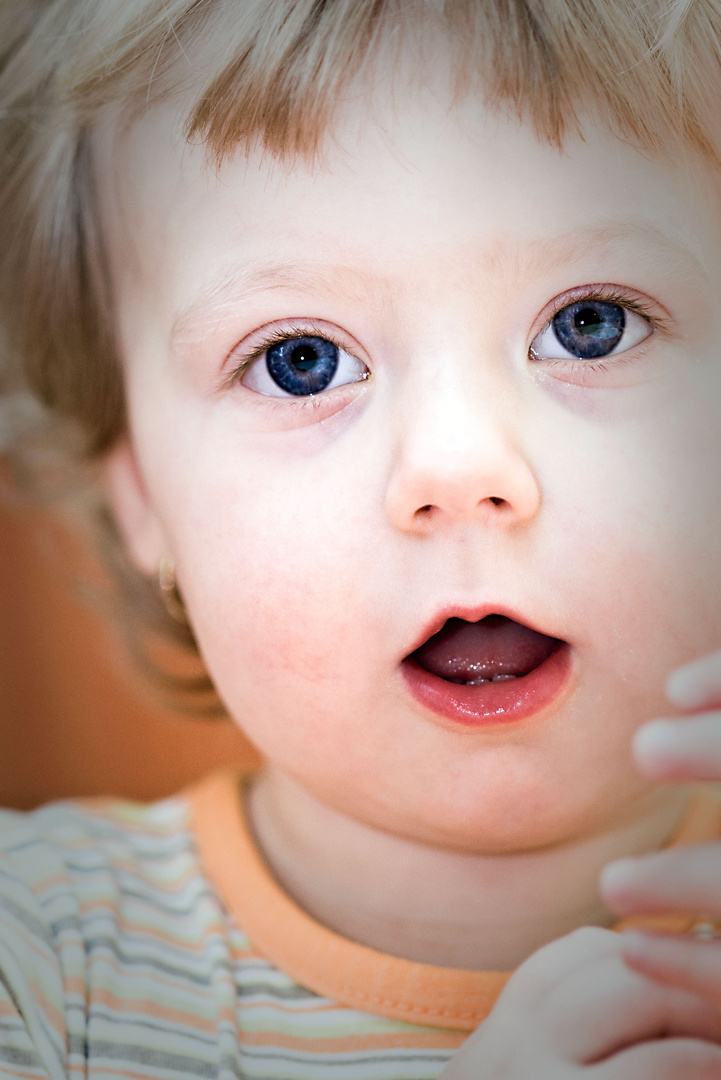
point(269, 70)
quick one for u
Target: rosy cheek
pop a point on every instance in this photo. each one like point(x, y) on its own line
point(285, 615)
point(294, 642)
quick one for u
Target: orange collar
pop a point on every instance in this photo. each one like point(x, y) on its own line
point(343, 970)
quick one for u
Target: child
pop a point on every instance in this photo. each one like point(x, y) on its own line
point(389, 332)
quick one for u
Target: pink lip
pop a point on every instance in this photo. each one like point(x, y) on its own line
point(493, 703)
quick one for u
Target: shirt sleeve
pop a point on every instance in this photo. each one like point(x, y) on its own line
point(33, 1043)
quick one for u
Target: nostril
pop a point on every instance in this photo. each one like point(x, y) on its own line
point(424, 510)
point(497, 501)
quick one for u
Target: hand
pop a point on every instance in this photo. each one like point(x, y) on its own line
point(685, 879)
point(575, 1011)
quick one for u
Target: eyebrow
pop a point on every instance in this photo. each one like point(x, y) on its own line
point(240, 283)
point(676, 256)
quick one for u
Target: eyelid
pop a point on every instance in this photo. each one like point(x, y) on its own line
point(625, 297)
point(274, 333)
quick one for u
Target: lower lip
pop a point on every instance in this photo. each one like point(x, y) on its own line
point(490, 703)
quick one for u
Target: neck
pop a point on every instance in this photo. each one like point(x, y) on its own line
point(434, 906)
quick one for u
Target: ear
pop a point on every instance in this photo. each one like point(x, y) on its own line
point(132, 507)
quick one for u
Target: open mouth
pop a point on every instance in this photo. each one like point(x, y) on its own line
point(495, 670)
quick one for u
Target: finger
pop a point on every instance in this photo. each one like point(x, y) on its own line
point(680, 962)
point(609, 1006)
point(688, 749)
point(557, 961)
point(683, 880)
point(696, 685)
point(669, 1059)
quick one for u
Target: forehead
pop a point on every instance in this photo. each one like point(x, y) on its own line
point(402, 181)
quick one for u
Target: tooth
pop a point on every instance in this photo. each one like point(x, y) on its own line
point(502, 678)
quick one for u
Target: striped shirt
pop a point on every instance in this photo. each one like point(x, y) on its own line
point(151, 942)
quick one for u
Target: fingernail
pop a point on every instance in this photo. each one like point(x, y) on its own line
point(656, 740)
point(686, 687)
point(617, 875)
point(634, 942)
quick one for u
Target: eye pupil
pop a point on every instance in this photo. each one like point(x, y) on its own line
point(304, 357)
point(303, 366)
point(587, 320)
point(590, 329)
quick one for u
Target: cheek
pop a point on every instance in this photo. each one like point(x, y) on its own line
point(640, 546)
point(278, 601)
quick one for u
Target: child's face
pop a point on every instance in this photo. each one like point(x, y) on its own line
point(579, 497)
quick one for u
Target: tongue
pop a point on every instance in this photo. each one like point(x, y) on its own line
point(494, 648)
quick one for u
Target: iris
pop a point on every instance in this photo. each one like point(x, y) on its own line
point(590, 329)
point(303, 365)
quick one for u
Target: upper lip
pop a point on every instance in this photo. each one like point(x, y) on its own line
point(474, 614)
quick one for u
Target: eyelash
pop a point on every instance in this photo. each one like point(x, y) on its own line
point(610, 294)
point(277, 337)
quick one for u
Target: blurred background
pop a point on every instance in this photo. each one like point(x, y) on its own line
point(74, 718)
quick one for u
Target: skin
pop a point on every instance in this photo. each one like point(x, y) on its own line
point(316, 540)
point(687, 879)
point(632, 1006)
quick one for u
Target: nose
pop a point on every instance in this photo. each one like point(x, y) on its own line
point(459, 458)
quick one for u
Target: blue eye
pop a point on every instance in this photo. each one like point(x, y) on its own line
point(302, 366)
point(590, 330)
